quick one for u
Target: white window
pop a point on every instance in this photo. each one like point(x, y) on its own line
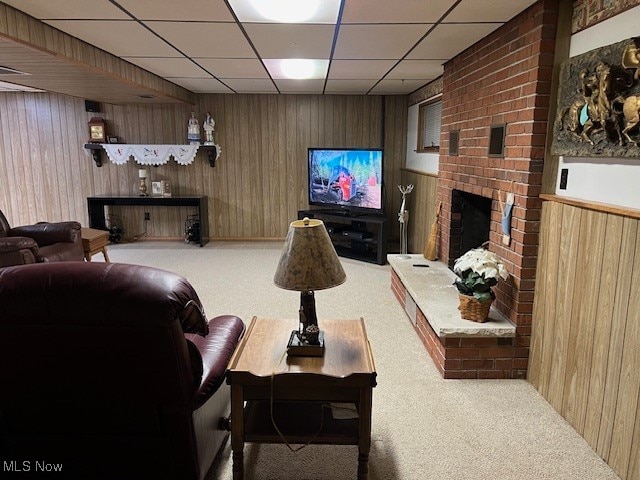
point(429, 116)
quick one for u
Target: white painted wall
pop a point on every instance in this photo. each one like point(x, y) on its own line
point(421, 162)
point(608, 180)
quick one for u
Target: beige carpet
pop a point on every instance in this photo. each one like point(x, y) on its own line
point(424, 427)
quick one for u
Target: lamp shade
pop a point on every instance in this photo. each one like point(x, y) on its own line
point(309, 260)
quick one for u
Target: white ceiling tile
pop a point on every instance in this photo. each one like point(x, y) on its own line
point(377, 41)
point(475, 11)
point(201, 85)
point(386, 11)
point(234, 67)
point(358, 87)
point(201, 39)
point(69, 9)
point(300, 86)
point(448, 40)
point(251, 85)
point(169, 67)
point(359, 69)
point(397, 86)
point(193, 10)
point(291, 40)
point(327, 12)
point(417, 70)
point(117, 37)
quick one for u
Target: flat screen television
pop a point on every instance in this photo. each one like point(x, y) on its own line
point(348, 179)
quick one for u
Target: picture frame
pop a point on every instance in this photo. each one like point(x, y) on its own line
point(113, 140)
point(156, 188)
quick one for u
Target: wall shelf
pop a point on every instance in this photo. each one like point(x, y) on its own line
point(125, 151)
point(96, 152)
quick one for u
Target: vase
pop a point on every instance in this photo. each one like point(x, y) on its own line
point(473, 309)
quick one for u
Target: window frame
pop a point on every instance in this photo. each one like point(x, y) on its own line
point(422, 117)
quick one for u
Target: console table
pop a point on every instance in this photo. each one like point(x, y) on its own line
point(96, 208)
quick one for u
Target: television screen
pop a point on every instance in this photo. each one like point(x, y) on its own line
point(348, 178)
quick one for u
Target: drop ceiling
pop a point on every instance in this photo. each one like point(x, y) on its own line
point(224, 46)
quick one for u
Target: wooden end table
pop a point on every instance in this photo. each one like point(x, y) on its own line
point(95, 241)
point(301, 389)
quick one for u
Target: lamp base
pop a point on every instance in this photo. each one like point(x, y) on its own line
point(299, 348)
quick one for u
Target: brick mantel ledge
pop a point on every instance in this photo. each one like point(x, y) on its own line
point(459, 348)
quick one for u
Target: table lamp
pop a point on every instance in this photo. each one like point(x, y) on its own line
point(308, 262)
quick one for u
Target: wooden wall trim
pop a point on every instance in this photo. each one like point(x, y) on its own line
point(597, 206)
point(418, 172)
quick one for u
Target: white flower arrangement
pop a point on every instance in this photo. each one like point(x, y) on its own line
point(478, 270)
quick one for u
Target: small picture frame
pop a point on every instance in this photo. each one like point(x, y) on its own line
point(156, 188)
point(113, 140)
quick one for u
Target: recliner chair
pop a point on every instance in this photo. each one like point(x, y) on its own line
point(111, 371)
point(42, 242)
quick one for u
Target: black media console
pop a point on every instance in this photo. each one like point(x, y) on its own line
point(361, 237)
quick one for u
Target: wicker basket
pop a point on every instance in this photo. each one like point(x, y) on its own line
point(473, 309)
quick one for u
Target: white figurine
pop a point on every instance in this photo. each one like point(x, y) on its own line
point(193, 130)
point(208, 127)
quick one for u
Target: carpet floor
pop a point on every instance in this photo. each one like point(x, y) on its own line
point(423, 427)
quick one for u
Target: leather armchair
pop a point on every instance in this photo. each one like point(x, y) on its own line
point(112, 371)
point(42, 242)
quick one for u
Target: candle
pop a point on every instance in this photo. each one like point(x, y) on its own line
point(142, 173)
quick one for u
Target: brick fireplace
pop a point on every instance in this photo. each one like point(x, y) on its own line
point(502, 80)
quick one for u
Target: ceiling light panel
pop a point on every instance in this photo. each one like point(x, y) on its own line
point(388, 11)
point(291, 41)
point(268, 11)
point(117, 37)
point(184, 10)
point(69, 9)
point(201, 39)
point(278, 68)
point(377, 41)
point(475, 11)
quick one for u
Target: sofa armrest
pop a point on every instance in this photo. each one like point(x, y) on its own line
point(17, 251)
point(50, 233)
point(216, 350)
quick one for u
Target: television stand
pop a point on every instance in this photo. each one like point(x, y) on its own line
point(357, 236)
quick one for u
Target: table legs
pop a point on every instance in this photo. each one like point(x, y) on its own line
point(237, 431)
point(364, 445)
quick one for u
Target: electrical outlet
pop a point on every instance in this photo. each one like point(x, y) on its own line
point(564, 176)
point(147, 216)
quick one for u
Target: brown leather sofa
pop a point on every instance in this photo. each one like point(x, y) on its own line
point(42, 242)
point(111, 371)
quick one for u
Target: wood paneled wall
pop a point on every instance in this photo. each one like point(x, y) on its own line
point(421, 203)
point(254, 191)
point(585, 353)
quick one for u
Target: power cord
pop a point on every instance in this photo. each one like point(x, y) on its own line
point(322, 407)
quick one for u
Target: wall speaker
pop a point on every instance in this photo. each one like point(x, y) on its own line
point(91, 106)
